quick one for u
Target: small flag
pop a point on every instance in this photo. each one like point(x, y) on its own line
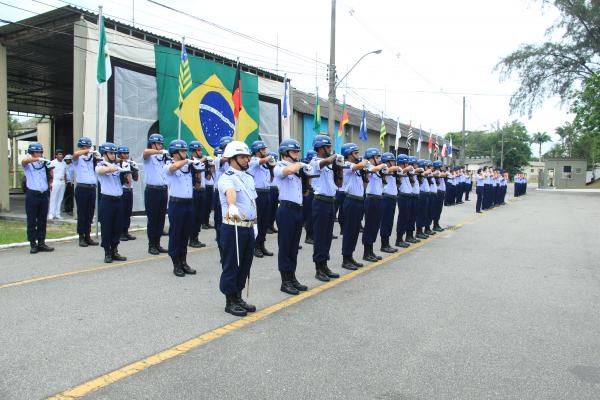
point(444, 150)
point(104, 69)
point(382, 133)
point(430, 144)
point(450, 148)
point(436, 154)
point(185, 76)
point(420, 140)
point(362, 133)
point(317, 116)
point(236, 95)
point(398, 134)
point(343, 120)
point(286, 94)
point(410, 134)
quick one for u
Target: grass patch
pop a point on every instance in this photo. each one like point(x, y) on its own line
point(16, 231)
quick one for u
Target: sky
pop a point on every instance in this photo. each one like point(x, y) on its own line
point(434, 51)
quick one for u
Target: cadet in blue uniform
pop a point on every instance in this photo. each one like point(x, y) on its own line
point(155, 194)
point(390, 197)
point(38, 181)
point(323, 211)
point(487, 188)
point(197, 171)
point(221, 165)
point(273, 197)
point(127, 179)
point(208, 183)
point(69, 188)
point(355, 177)
point(111, 189)
point(404, 195)
point(84, 161)
point(480, 180)
point(432, 198)
point(468, 185)
point(238, 203)
point(308, 195)
point(414, 200)
point(263, 176)
point(374, 196)
point(289, 216)
point(178, 175)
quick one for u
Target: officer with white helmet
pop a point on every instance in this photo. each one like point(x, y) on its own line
point(238, 205)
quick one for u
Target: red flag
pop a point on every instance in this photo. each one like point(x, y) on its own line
point(236, 93)
point(430, 144)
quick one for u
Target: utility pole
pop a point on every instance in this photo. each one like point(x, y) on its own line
point(502, 149)
point(331, 108)
point(464, 142)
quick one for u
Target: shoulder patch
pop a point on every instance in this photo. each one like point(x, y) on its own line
point(229, 172)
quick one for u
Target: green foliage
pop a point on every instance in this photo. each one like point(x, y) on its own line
point(585, 130)
point(540, 138)
point(556, 67)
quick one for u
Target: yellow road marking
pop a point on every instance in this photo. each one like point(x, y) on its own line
point(182, 348)
point(91, 269)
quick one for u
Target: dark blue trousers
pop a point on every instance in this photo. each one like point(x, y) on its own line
point(274, 199)
point(450, 196)
point(440, 204)
point(198, 198)
point(207, 203)
point(233, 276)
point(353, 213)
point(458, 192)
point(155, 201)
point(487, 189)
point(432, 207)
point(180, 227)
point(218, 217)
point(307, 213)
point(422, 209)
point(388, 213)
point(289, 225)
point(126, 209)
point(340, 196)
point(85, 198)
point(263, 211)
point(36, 208)
point(468, 188)
point(373, 208)
point(323, 214)
point(414, 210)
point(403, 214)
point(109, 215)
point(479, 192)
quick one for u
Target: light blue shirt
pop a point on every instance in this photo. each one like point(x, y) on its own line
point(35, 173)
point(451, 179)
point(433, 186)
point(261, 174)
point(154, 170)
point(245, 199)
point(84, 170)
point(323, 184)
point(415, 186)
point(375, 185)
point(480, 180)
point(353, 182)
point(442, 185)
point(405, 186)
point(110, 183)
point(424, 185)
point(468, 180)
point(180, 181)
point(290, 186)
point(70, 172)
point(206, 181)
point(219, 169)
point(390, 186)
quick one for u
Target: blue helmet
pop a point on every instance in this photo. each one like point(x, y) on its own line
point(84, 141)
point(372, 152)
point(349, 148)
point(438, 164)
point(412, 159)
point(107, 147)
point(122, 149)
point(35, 147)
point(422, 163)
point(257, 145)
point(289, 144)
point(385, 157)
point(310, 154)
point(156, 138)
point(218, 152)
point(274, 155)
point(195, 145)
point(224, 141)
point(177, 145)
point(402, 159)
point(320, 141)
point(428, 163)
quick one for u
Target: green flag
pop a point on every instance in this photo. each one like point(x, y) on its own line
point(317, 123)
point(104, 70)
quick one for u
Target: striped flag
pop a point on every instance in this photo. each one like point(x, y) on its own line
point(436, 152)
point(185, 76)
point(450, 148)
point(398, 135)
point(420, 140)
point(362, 133)
point(382, 133)
point(410, 134)
point(444, 150)
point(430, 144)
point(343, 119)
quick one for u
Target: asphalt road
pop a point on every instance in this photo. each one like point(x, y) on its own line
point(506, 306)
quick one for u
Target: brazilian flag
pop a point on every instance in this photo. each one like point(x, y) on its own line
point(207, 107)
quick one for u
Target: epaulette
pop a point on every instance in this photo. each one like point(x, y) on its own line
point(229, 172)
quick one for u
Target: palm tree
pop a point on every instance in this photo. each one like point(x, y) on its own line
point(540, 138)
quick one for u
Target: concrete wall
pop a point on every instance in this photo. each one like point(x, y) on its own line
point(4, 185)
point(555, 175)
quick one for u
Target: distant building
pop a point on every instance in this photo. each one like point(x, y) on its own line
point(533, 170)
point(475, 163)
point(564, 173)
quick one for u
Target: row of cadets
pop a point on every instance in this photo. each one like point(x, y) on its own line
point(424, 200)
point(451, 188)
point(155, 192)
point(130, 174)
point(389, 201)
point(59, 167)
point(373, 206)
point(199, 172)
point(259, 169)
point(84, 160)
point(413, 200)
point(288, 177)
point(308, 195)
point(520, 185)
point(221, 165)
point(38, 183)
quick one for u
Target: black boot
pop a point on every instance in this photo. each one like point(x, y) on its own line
point(185, 267)
point(89, 240)
point(328, 272)
point(177, 270)
point(368, 254)
point(320, 275)
point(286, 284)
point(243, 304)
point(115, 254)
point(159, 247)
point(385, 245)
point(309, 240)
point(401, 243)
point(152, 249)
point(348, 264)
point(129, 236)
point(44, 247)
point(34, 249)
point(297, 284)
point(428, 231)
point(265, 251)
point(233, 307)
point(82, 242)
point(123, 238)
point(195, 243)
point(356, 263)
point(437, 227)
point(220, 255)
point(420, 234)
point(257, 251)
point(108, 256)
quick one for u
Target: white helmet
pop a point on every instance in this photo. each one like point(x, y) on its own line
point(236, 148)
point(68, 157)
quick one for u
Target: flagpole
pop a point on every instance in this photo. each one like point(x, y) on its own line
point(236, 126)
point(179, 122)
point(98, 120)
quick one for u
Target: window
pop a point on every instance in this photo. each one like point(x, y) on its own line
point(532, 170)
point(567, 172)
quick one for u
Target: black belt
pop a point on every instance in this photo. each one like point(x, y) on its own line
point(128, 189)
point(374, 196)
point(210, 188)
point(200, 190)
point(263, 190)
point(390, 196)
point(353, 197)
point(109, 197)
point(38, 193)
point(86, 185)
point(179, 199)
point(326, 199)
point(401, 194)
point(157, 187)
point(290, 204)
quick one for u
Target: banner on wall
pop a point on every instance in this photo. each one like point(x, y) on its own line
point(309, 134)
point(207, 110)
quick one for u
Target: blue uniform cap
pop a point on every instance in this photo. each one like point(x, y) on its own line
point(421, 163)
point(310, 154)
point(287, 145)
point(402, 159)
point(224, 141)
point(84, 141)
point(385, 157)
point(437, 164)
point(177, 145)
point(349, 148)
point(412, 159)
point(372, 152)
point(122, 149)
point(218, 152)
point(107, 147)
point(155, 138)
point(34, 147)
point(320, 141)
point(274, 155)
point(195, 145)
point(257, 145)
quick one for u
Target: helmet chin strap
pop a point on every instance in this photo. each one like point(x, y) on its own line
point(242, 168)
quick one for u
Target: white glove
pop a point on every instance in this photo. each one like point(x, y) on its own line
point(124, 168)
point(209, 158)
point(271, 161)
point(307, 169)
point(233, 212)
point(96, 154)
point(133, 164)
point(339, 160)
point(164, 152)
point(43, 160)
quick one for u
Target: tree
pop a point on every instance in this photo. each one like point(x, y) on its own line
point(556, 67)
point(586, 125)
point(567, 137)
point(540, 138)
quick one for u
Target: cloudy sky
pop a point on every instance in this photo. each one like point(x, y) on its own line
point(434, 52)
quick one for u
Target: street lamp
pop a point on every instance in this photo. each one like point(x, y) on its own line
point(333, 85)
